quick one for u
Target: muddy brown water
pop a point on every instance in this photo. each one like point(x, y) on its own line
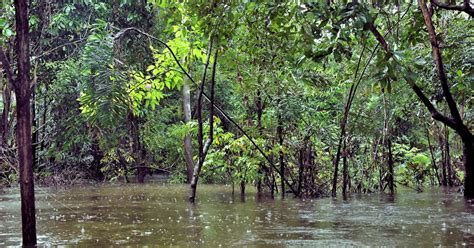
point(152, 214)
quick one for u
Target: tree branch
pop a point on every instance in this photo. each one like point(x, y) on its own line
point(439, 63)
point(431, 108)
point(465, 7)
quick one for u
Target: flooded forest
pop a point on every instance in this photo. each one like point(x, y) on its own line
point(236, 123)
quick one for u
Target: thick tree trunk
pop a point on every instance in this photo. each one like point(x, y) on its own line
point(468, 159)
point(188, 152)
point(23, 93)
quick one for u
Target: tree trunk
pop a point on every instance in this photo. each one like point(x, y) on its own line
point(281, 156)
point(345, 171)
point(23, 108)
point(4, 122)
point(468, 159)
point(259, 105)
point(34, 125)
point(242, 188)
point(137, 148)
point(301, 169)
point(204, 148)
point(433, 160)
point(390, 177)
point(447, 161)
point(188, 152)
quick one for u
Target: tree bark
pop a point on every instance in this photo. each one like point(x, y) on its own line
point(187, 143)
point(23, 93)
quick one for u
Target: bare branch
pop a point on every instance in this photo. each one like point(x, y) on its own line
point(465, 7)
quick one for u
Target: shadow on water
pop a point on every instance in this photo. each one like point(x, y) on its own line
point(135, 215)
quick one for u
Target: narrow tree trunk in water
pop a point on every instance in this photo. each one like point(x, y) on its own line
point(204, 148)
point(259, 105)
point(390, 177)
point(345, 171)
point(433, 160)
point(188, 152)
point(281, 158)
point(301, 169)
point(137, 148)
point(242, 188)
point(449, 168)
point(23, 108)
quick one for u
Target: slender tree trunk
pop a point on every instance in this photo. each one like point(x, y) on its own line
point(281, 156)
point(444, 174)
point(345, 170)
point(23, 108)
point(34, 125)
point(433, 160)
point(188, 152)
point(204, 148)
point(301, 170)
point(449, 168)
point(259, 105)
point(137, 148)
point(390, 177)
point(4, 122)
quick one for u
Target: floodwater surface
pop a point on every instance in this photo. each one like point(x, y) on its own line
point(152, 214)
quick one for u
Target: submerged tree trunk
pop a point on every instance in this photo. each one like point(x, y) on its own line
point(447, 161)
point(433, 160)
point(204, 148)
point(444, 174)
point(345, 170)
point(188, 152)
point(281, 156)
point(390, 176)
point(259, 105)
point(468, 159)
point(23, 108)
point(137, 148)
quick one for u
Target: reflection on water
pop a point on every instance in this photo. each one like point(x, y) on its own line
point(159, 214)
